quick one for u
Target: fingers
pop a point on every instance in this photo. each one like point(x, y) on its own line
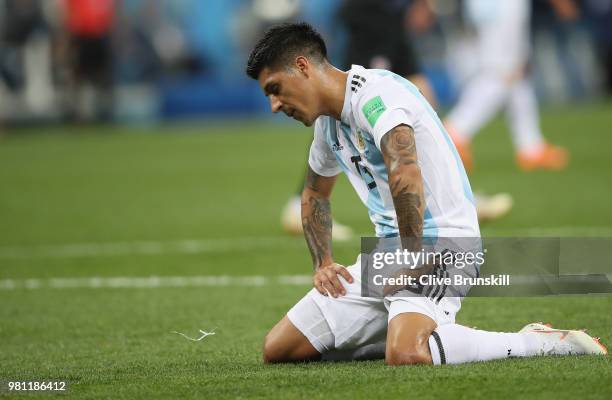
point(329, 287)
point(334, 283)
point(345, 274)
point(318, 285)
point(323, 285)
point(326, 280)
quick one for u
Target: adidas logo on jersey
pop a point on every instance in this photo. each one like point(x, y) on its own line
point(355, 84)
point(337, 147)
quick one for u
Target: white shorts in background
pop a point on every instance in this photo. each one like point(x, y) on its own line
point(503, 30)
point(351, 321)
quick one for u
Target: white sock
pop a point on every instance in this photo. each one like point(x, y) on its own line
point(457, 344)
point(523, 117)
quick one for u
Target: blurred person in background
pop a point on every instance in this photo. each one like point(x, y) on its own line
point(18, 21)
point(25, 67)
point(502, 79)
point(379, 37)
point(565, 54)
point(600, 13)
point(87, 27)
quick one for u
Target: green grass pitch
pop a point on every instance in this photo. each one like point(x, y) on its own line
point(202, 199)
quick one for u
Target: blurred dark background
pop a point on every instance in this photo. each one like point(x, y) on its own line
point(143, 60)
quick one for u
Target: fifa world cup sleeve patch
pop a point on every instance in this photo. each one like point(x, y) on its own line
point(373, 109)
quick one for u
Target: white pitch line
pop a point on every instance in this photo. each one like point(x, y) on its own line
point(152, 282)
point(186, 246)
point(200, 246)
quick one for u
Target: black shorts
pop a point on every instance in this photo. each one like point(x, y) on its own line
point(92, 58)
point(393, 54)
point(377, 37)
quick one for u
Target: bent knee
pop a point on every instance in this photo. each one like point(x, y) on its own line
point(275, 351)
point(285, 343)
point(272, 352)
point(395, 357)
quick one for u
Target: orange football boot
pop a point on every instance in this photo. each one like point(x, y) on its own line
point(549, 157)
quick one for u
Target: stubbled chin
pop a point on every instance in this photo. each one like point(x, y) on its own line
point(307, 122)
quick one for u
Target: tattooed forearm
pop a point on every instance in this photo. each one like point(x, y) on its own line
point(399, 152)
point(317, 221)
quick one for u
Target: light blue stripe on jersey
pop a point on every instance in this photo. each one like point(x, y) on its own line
point(467, 190)
point(331, 136)
point(375, 158)
point(385, 225)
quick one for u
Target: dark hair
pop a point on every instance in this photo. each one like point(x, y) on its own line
point(282, 43)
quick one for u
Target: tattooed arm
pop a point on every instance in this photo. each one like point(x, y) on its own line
point(317, 224)
point(316, 217)
point(400, 156)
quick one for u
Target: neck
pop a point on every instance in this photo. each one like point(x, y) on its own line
point(333, 89)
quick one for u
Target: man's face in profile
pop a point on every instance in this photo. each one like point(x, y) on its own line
point(290, 91)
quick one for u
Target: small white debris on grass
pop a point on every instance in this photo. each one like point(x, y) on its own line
point(203, 335)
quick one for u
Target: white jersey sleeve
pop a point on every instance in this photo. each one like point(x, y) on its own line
point(383, 105)
point(321, 159)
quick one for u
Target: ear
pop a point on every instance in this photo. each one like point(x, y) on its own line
point(302, 65)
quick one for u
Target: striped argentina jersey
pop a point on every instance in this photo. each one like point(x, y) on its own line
point(375, 102)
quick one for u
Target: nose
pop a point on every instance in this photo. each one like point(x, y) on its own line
point(275, 104)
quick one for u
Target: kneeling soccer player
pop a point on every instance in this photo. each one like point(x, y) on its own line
point(378, 129)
